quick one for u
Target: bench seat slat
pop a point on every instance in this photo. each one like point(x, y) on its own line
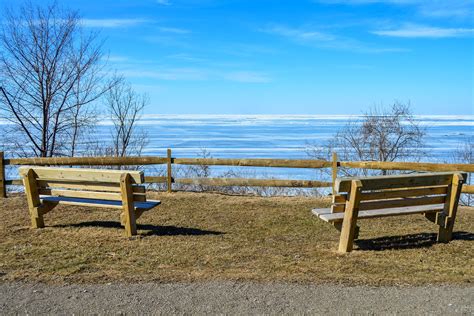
point(394, 182)
point(82, 185)
point(329, 217)
point(87, 175)
point(96, 202)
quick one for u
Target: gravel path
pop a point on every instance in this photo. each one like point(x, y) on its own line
point(233, 298)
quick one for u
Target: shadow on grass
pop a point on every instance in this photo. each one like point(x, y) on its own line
point(413, 241)
point(148, 230)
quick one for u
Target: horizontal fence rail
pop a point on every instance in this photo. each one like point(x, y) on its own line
point(415, 166)
point(169, 161)
point(281, 163)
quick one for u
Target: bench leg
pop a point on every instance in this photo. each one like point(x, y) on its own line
point(36, 216)
point(128, 207)
point(445, 233)
point(338, 226)
point(349, 224)
point(32, 196)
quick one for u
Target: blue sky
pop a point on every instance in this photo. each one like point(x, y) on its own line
point(290, 57)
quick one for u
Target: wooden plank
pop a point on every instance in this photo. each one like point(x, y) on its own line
point(349, 222)
point(382, 204)
point(83, 174)
point(87, 161)
point(415, 166)
point(153, 179)
point(62, 200)
point(321, 211)
point(3, 185)
point(338, 217)
point(374, 195)
point(169, 177)
point(82, 194)
point(469, 189)
point(32, 197)
point(339, 198)
point(82, 185)
point(285, 163)
point(398, 181)
point(338, 208)
point(253, 182)
point(127, 204)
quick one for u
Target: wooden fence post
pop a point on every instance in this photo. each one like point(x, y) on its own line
point(169, 179)
point(3, 186)
point(334, 172)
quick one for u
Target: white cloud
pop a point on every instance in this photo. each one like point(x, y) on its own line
point(420, 31)
point(319, 39)
point(113, 23)
point(432, 8)
point(173, 30)
point(298, 34)
point(247, 76)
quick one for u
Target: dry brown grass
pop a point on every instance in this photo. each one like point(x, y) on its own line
point(201, 236)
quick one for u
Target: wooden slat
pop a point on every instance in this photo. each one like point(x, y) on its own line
point(382, 204)
point(286, 163)
point(398, 181)
point(82, 194)
point(106, 187)
point(339, 198)
point(368, 196)
point(95, 203)
point(253, 182)
point(87, 161)
point(321, 211)
point(338, 217)
point(76, 174)
point(416, 166)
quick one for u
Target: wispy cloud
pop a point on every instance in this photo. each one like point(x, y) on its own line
point(325, 40)
point(247, 76)
point(163, 2)
point(173, 30)
point(113, 23)
point(298, 34)
point(433, 8)
point(421, 31)
point(164, 73)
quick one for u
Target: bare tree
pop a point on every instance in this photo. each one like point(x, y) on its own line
point(51, 73)
point(125, 108)
point(384, 134)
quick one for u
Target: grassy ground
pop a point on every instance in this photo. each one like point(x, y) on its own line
point(200, 236)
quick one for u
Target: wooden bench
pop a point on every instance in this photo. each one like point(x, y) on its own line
point(45, 188)
point(435, 195)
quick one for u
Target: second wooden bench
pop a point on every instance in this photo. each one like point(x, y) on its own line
point(436, 195)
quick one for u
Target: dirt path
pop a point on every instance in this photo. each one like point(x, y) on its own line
point(233, 298)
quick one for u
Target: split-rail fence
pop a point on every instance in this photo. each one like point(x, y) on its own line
point(169, 161)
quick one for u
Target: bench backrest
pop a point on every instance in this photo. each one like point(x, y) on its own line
point(408, 190)
point(85, 183)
